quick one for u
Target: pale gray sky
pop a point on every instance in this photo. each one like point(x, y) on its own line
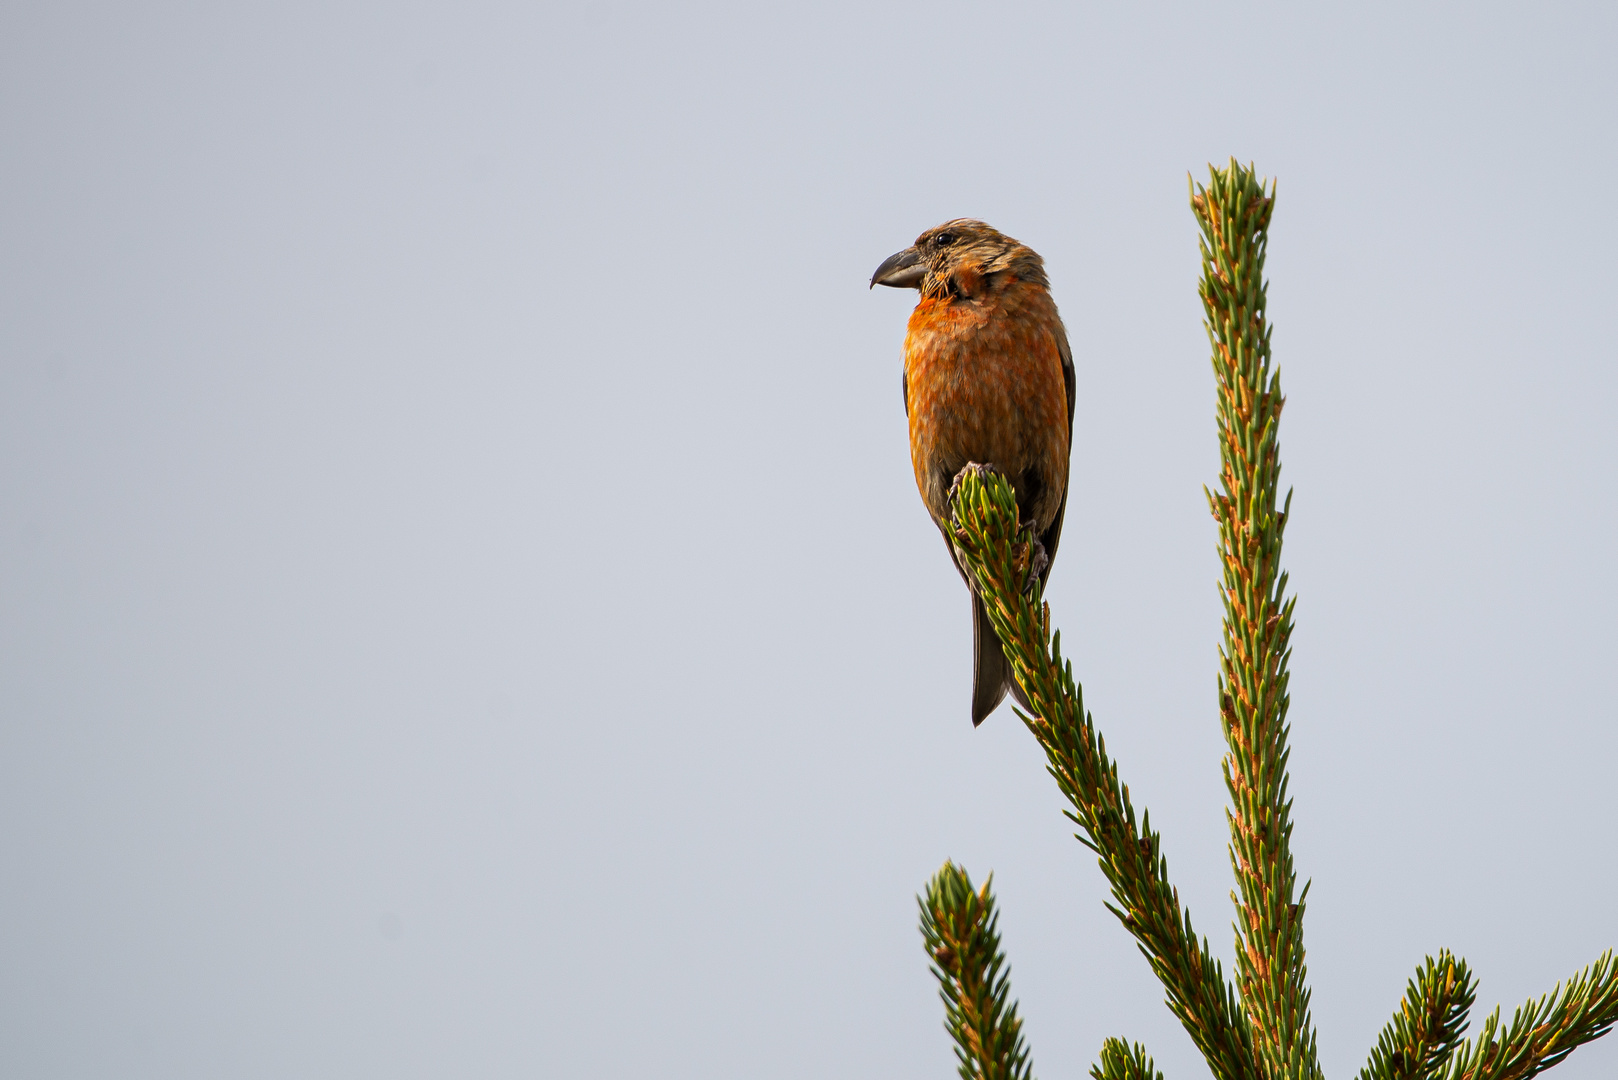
point(465, 609)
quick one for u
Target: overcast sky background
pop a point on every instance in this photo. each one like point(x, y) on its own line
point(464, 605)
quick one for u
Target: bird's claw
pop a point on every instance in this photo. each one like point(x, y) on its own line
point(1030, 557)
point(982, 472)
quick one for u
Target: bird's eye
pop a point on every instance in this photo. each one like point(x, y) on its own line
point(944, 239)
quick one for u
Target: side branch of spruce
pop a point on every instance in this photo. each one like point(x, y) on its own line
point(1427, 1028)
point(1542, 1032)
point(1122, 1061)
point(960, 927)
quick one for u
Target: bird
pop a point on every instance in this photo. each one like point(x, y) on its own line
point(988, 380)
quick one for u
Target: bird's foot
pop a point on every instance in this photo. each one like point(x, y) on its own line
point(1030, 558)
point(982, 472)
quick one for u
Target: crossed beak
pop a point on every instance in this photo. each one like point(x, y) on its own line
point(901, 271)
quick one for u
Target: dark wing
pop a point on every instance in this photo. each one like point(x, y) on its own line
point(904, 388)
point(1053, 535)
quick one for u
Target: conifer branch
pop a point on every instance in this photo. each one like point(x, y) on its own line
point(1542, 1032)
point(1001, 559)
point(1120, 1061)
point(1265, 1031)
point(1423, 1034)
point(960, 928)
point(1234, 212)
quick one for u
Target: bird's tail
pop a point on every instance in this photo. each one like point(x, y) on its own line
point(991, 672)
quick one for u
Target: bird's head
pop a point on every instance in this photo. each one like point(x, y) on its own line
point(960, 258)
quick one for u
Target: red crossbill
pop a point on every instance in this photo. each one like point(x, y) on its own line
point(988, 379)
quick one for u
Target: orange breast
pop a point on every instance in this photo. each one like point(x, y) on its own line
point(984, 383)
